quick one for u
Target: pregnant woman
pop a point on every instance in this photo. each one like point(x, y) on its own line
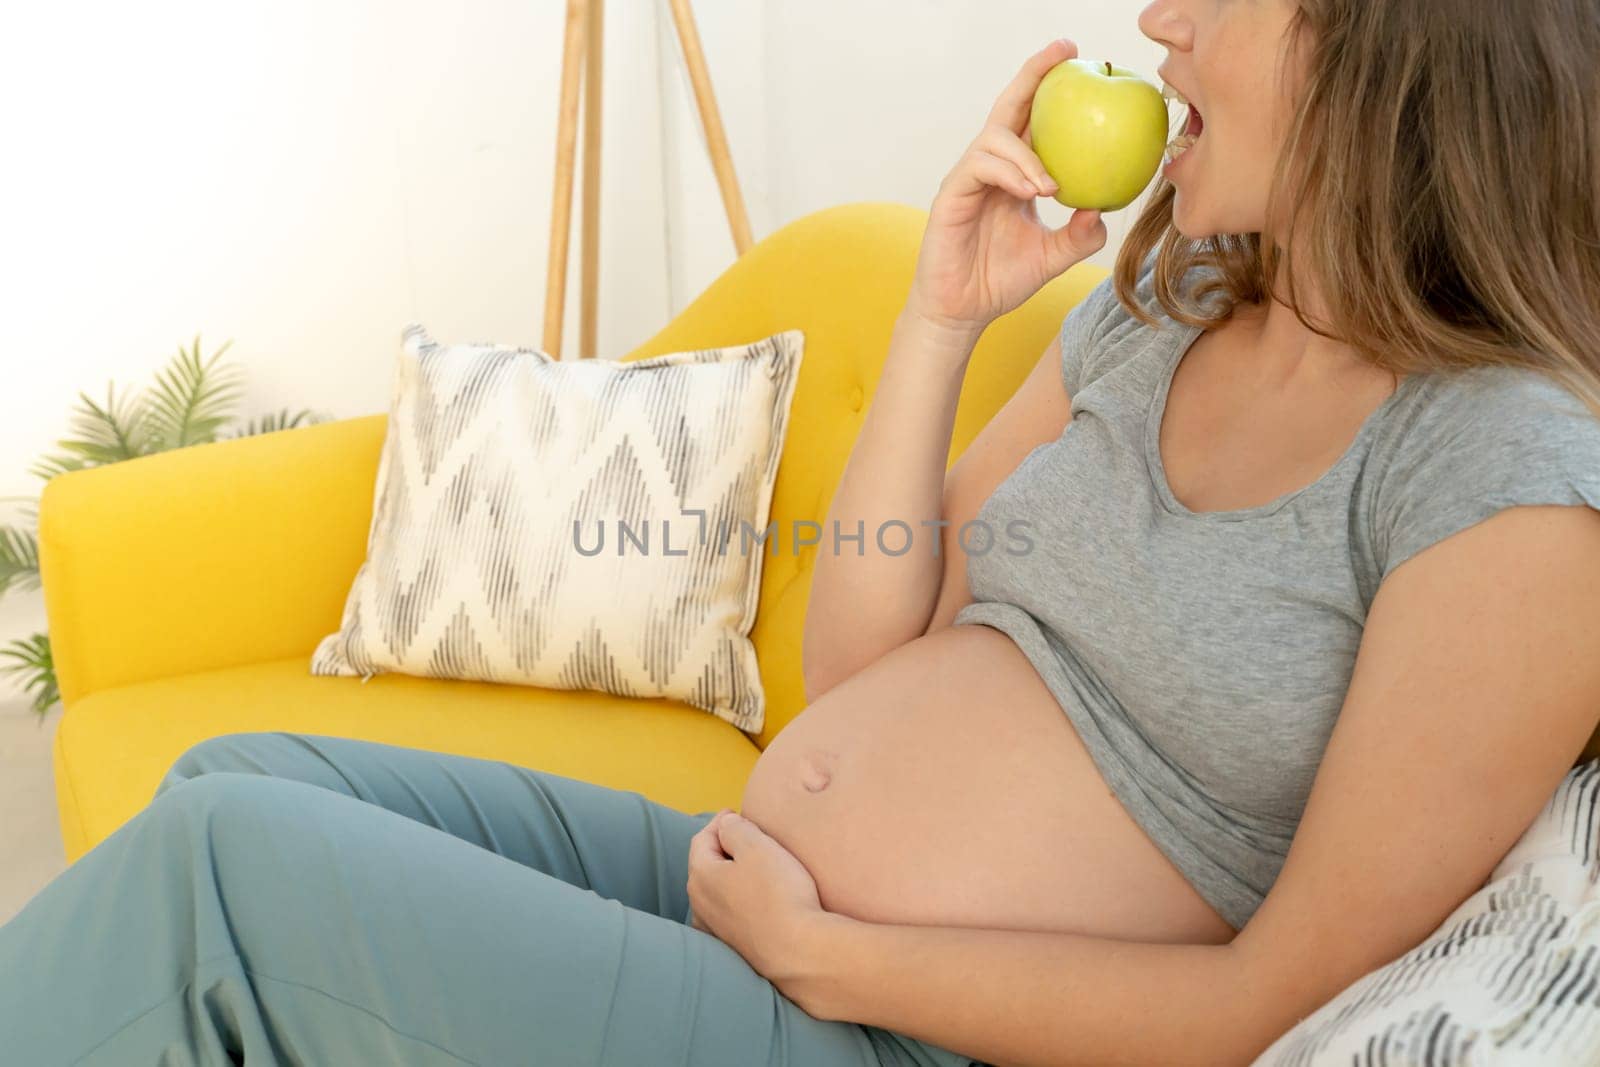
point(1284, 635)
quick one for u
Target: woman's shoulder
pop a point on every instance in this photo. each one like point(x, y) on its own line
point(1498, 406)
point(1100, 332)
point(1470, 441)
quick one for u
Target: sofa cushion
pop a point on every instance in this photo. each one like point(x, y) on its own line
point(584, 524)
point(1510, 977)
point(116, 744)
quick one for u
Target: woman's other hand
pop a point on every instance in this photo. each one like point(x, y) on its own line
point(753, 894)
point(985, 251)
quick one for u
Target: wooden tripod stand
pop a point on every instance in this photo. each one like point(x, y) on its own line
point(584, 33)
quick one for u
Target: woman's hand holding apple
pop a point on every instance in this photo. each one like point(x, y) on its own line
point(985, 251)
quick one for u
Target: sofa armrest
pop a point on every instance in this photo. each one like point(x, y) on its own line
point(205, 557)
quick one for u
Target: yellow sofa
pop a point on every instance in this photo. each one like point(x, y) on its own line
point(185, 591)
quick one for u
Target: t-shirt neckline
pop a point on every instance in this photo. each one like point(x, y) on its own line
point(1158, 471)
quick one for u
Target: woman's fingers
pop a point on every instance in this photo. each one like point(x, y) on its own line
point(1016, 102)
point(1005, 175)
point(705, 845)
point(1074, 241)
point(979, 169)
point(990, 169)
point(999, 141)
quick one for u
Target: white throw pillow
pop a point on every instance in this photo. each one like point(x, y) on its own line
point(502, 473)
point(1511, 977)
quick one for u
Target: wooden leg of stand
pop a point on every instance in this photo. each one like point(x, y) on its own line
point(716, 139)
point(555, 293)
point(587, 342)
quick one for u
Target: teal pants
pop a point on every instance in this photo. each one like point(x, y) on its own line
point(299, 899)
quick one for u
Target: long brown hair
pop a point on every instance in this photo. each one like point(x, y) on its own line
point(1443, 167)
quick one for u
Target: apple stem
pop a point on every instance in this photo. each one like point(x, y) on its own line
point(1108, 68)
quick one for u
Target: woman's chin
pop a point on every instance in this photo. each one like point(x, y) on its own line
point(1187, 221)
point(1185, 225)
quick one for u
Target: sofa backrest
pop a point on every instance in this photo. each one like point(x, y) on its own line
point(841, 275)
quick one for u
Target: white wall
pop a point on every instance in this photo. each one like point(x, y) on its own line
point(306, 176)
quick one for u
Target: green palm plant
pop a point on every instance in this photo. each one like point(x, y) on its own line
point(189, 404)
point(19, 552)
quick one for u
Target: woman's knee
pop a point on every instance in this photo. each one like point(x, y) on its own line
point(200, 800)
point(234, 752)
point(218, 821)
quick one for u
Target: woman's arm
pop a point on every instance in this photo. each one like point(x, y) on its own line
point(865, 602)
point(984, 252)
point(862, 606)
point(1474, 690)
point(1036, 414)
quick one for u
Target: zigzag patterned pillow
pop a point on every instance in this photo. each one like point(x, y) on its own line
point(1512, 977)
point(588, 524)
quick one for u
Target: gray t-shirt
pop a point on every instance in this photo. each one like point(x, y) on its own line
point(1203, 657)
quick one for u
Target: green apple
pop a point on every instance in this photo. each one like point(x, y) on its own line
point(1100, 130)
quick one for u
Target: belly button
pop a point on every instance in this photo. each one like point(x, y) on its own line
point(818, 772)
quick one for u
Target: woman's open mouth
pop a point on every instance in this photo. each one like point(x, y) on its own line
point(1187, 138)
point(1191, 130)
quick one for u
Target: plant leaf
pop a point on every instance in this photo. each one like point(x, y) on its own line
point(280, 420)
point(191, 398)
point(19, 559)
point(36, 667)
point(107, 434)
point(30, 508)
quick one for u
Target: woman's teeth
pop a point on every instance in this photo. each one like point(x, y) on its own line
point(1181, 144)
point(1184, 140)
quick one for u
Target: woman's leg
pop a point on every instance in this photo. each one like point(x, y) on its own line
point(615, 842)
point(246, 918)
point(152, 925)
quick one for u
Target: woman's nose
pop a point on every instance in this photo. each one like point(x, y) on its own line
point(1166, 22)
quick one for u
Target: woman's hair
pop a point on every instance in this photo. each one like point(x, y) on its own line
point(1442, 175)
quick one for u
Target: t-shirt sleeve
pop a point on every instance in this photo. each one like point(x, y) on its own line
point(1086, 325)
point(1493, 438)
point(1080, 332)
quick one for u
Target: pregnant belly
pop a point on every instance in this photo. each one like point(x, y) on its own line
point(942, 784)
